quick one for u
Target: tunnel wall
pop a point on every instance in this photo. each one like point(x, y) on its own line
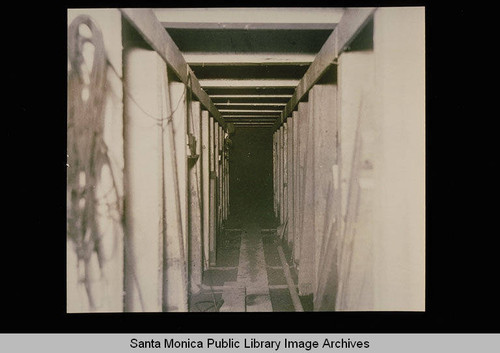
point(163, 198)
point(358, 172)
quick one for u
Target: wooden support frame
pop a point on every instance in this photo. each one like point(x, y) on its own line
point(144, 256)
point(213, 182)
point(296, 185)
point(290, 182)
point(285, 174)
point(307, 236)
point(323, 101)
point(351, 23)
point(147, 24)
point(205, 160)
point(195, 197)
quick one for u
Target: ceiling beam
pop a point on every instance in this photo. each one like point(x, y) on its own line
point(248, 83)
point(248, 59)
point(250, 96)
point(249, 17)
point(250, 104)
point(248, 25)
point(350, 25)
point(148, 26)
point(270, 117)
point(252, 111)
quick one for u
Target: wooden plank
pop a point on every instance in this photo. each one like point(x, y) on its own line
point(248, 26)
point(175, 172)
point(275, 174)
point(233, 294)
point(253, 111)
point(257, 16)
point(305, 275)
point(399, 49)
point(280, 185)
point(250, 120)
point(290, 181)
point(271, 118)
point(249, 104)
point(213, 180)
point(148, 26)
point(255, 83)
point(302, 127)
point(323, 100)
point(252, 270)
point(296, 183)
point(195, 215)
point(349, 26)
point(251, 97)
point(248, 59)
point(285, 174)
point(221, 177)
point(143, 217)
point(216, 186)
point(205, 160)
point(292, 288)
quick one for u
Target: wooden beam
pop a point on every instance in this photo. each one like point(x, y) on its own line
point(250, 96)
point(247, 83)
point(148, 26)
point(252, 111)
point(205, 170)
point(270, 117)
point(143, 137)
point(195, 196)
point(250, 16)
point(248, 59)
point(250, 104)
point(353, 20)
point(248, 26)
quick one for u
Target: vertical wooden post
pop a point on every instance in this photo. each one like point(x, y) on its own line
point(217, 178)
point(285, 173)
point(301, 133)
point(175, 176)
point(213, 180)
point(195, 220)
point(280, 188)
point(399, 246)
point(305, 280)
point(274, 174)
point(357, 224)
point(296, 178)
point(205, 160)
point(325, 158)
point(221, 178)
point(290, 183)
point(144, 179)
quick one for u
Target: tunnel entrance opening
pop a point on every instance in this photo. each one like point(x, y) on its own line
point(250, 178)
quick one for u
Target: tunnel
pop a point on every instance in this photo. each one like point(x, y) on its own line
point(246, 159)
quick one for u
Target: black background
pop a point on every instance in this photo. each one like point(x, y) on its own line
point(462, 254)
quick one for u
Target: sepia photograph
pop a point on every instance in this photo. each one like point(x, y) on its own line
point(257, 159)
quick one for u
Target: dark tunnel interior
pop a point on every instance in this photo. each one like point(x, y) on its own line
point(251, 177)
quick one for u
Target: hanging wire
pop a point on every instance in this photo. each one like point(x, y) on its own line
point(87, 151)
point(126, 91)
